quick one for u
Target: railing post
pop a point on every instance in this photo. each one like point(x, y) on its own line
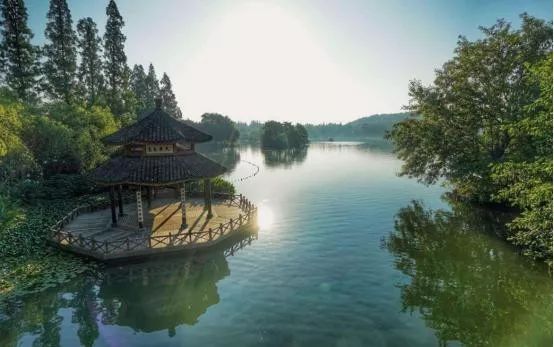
point(221, 228)
point(240, 219)
point(170, 240)
point(231, 224)
point(128, 246)
point(106, 247)
point(210, 233)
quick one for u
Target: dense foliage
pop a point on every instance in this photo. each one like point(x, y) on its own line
point(525, 178)
point(250, 132)
point(277, 135)
point(19, 58)
point(222, 128)
point(91, 79)
point(59, 52)
point(485, 126)
point(54, 109)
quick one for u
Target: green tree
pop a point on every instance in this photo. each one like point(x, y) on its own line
point(467, 111)
point(90, 69)
point(19, 58)
point(297, 136)
point(525, 177)
point(60, 52)
point(16, 161)
point(51, 143)
point(115, 60)
point(87, 126)
point(485, 126)
point(277, 135)
point(222, 128)
point(274, 136)
point(152, 87)
point(138, 86)
point(168, 97)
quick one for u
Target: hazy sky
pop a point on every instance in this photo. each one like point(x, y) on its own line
point(304, 61)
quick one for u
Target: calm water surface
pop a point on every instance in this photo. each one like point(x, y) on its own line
point(348, 254)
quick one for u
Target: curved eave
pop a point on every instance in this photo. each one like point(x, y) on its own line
point(156, 170)
point(157, 127)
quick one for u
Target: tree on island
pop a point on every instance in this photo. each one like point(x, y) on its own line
point(91, 80)
point(484, 120)
point(276, 135)
point(19, 58)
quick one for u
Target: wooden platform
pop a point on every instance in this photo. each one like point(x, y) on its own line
point(91, 233)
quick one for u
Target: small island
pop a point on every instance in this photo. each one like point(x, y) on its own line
point(276, 135)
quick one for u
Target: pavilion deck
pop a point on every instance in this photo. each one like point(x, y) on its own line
point(89, 231)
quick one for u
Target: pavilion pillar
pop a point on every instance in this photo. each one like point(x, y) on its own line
point(208, 196)
point(183, 208)
point(112, 206)
point(140, 216)
point(120, 200)
point(149, 196)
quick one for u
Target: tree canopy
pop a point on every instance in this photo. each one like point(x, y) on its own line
point(19, 57)
point(278, 135)
point(115, 64)
point(60, 52)
point(90, 69)
point(484, 125)
point(222, 128)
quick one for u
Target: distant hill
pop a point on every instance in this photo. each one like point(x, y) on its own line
point(374, 126)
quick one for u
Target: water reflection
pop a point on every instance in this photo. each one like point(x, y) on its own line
point(226, 156)
point(468, 285)
point(284, 158)
point(146, 297)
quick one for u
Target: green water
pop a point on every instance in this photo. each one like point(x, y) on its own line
point(348, 254)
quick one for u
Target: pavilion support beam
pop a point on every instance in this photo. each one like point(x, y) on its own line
point(120, 200)
point(149, 196)
point(183, 208)
point(140, 216)
point(112, 206)
point(208, 196)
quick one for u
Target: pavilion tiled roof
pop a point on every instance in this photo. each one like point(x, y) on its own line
point(157, 127)
point(156, 170)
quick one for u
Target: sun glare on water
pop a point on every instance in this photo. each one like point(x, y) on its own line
point(265, 217)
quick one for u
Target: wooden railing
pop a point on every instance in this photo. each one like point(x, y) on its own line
point(141, 243)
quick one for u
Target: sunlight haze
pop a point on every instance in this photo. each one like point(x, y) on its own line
point(301, 61)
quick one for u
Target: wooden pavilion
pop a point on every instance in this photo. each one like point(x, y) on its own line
point(157, 151)
point(155, 155)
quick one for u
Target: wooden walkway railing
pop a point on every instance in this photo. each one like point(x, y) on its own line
point(143, 245)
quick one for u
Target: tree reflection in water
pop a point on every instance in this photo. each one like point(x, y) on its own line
point(150, 296)
point(224, 155)
point(284, 158)
point(467, 284)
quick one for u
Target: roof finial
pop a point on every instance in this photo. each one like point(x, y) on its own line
point(158, 101)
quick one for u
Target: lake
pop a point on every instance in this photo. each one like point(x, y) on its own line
point(347, 254)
